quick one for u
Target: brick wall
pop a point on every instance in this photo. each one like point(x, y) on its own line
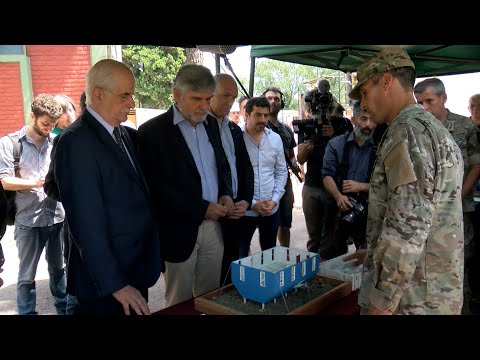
point(11, 116)
point(59, 69)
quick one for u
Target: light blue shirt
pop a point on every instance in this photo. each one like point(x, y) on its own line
point(202, 151)
point(269, 168)
point(34, 207)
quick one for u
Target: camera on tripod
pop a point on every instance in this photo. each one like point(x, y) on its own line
point(356, 212)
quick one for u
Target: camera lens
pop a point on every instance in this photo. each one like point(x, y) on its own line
point(350, 217)
point(355, 211)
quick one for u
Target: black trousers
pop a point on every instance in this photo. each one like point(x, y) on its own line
point(267, 232)
point(232, 238)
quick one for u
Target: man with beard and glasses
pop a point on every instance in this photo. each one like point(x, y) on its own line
point(346, 175)
point(39, 219)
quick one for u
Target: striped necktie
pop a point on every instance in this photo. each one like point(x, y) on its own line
point(118, 138)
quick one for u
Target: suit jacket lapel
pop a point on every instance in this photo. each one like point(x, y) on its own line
point(104, 137)
point(131, 149)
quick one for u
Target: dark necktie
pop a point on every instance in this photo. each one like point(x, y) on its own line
point(118, 138)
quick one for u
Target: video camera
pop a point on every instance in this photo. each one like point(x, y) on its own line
point(320, 100)
point(320, 104)
point(305, 127)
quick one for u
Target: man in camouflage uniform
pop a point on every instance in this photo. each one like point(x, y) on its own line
point(414, 258)
point(474, 109)
point(430, 93)
point(473, 274)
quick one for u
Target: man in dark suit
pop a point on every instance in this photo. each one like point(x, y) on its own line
point(115, 255)
point(241, 168)
point(189, 177)
point(50, 185)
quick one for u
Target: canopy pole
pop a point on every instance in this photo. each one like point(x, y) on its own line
point(251, 83)
point(229, 66)
point(217, 63)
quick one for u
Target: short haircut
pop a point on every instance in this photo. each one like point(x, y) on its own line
point(405, 76)
point(436, 84)
point(274, 89)
point(194, 77)
point(100, 75)
point(258, 101)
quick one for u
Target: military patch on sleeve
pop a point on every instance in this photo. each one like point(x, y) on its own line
point(398, 166)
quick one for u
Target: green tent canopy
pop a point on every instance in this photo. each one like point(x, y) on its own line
point(430, 60)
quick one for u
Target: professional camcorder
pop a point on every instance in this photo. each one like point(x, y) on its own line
point(357, 211)
point(320, 100)
point(320, 104)
point(305, 128)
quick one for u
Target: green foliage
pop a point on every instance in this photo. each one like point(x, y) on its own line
point(154, 68)
point(292, 79)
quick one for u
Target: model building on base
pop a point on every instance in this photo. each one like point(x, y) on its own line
point(272, 273)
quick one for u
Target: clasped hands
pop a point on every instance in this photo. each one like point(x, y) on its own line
point(226, 208)
point(264, 207)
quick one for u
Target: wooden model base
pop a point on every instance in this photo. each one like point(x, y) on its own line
point(206, 305)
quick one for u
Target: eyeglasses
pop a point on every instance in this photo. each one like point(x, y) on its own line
point(126, 97)
point(123, 97)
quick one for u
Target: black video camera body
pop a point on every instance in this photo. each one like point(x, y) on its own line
point(358, 211)
point(306, 127)
point(320, 104)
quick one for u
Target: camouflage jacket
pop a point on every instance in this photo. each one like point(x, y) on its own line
point(414, 261)
point(463, 132)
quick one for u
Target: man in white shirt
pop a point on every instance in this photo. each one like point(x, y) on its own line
point(265, 149)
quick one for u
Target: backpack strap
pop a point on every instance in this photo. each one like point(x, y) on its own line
point(17, 152)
